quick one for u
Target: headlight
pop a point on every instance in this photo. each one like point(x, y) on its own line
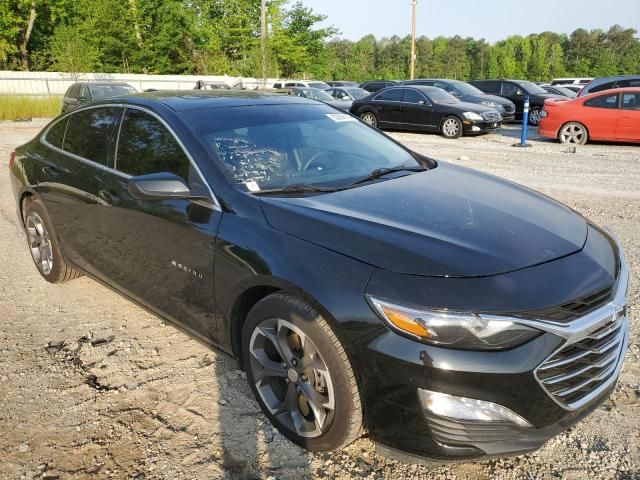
point(444, 328)
point(489, 103)
point(472, 116)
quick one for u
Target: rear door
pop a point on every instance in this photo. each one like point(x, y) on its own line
point(417, 111)
point(388, 104)
point(79, 149)
point(159, 252)
point(629, 122)
point(602, 113)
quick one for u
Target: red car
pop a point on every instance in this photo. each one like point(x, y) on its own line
point(612, 115)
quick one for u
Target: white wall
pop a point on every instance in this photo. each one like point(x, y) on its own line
point(56, 83)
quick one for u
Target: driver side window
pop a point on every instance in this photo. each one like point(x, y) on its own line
point(510, 89)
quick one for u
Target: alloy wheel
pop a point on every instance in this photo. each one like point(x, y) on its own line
point(291, 377)
point(39, 243)
point(534, 116)
point(451, 127)
point(370, 119)
point(573, 133)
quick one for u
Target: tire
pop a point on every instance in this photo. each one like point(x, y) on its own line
point(369, 118)
point(573, 133)
point(43, 244)
point(451, 127)
point(300, 374)
point(534, 116)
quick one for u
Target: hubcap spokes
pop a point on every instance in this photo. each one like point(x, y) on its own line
point(292, 379)
point(451, 128)
point(369, 119)
point(534, 117)
point(572, 134)
point(39, 243)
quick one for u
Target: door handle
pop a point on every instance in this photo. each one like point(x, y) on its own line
point(49, 170)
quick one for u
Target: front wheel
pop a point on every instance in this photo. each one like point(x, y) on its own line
point(370, 119)
point(451, 127)
point(300, 374)
point(573, 133)
point(534, 116)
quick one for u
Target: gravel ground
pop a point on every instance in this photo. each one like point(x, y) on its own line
point(94, 387)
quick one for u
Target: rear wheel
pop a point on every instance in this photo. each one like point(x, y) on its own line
point(370, 118)
point(573, 133)
point(300, 374)
point(451, 127)
point(43, 245)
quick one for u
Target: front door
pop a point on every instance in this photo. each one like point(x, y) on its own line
point(417, 111)
point(513, 92)
point(629, 121)
point(159, 252)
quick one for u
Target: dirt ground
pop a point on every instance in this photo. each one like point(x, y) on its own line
point(92, 386)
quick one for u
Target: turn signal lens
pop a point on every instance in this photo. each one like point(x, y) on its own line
point(12, 158)
point(406, 323)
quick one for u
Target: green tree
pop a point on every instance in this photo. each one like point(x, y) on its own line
point(71, 53)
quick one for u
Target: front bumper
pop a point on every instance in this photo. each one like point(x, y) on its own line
point(476, 127)
point(526, 380)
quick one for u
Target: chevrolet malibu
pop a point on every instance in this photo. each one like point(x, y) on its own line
point(451, 314)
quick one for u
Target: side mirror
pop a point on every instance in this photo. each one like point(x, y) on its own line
point(422, 102)
point(454, 93)
point(158, 186)
point(520, 93)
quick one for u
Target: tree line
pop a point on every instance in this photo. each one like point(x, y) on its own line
point(215, 37)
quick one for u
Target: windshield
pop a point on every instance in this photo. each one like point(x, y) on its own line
point(320, 85)
point(440, 96)
point(466, 89)
point(106, 91)
point(273, 146)
point(531, 87)
point(358, 93)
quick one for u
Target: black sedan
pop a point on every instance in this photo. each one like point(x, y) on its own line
point(455, 314)
point(468, 93)
point(322, 96)
point(427, 109)
point(83, 92)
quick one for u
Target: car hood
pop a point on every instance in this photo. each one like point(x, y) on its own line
point(448, 221)
point(468, 106)
point(483, 98)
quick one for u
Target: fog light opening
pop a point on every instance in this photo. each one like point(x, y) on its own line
point(469, 409)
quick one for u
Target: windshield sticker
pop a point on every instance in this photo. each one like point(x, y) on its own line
point(252, 186)
point(341, 117)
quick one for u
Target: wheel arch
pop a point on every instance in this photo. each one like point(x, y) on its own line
point(259, 289)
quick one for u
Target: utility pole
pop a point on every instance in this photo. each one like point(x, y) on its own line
point(263, 40)
point(414, 3)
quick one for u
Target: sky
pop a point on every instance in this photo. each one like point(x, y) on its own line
point(489, 19)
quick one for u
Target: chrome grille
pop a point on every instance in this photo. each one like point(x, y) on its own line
point(492, 116)
point(581, 370)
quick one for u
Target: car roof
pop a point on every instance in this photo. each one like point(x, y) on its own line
point(185, 100)
point(103, 84)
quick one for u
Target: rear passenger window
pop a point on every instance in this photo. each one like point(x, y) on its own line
point(55, 135)
point(603, 101)
point(393, 95)
point(146, 146)
point(88, 133)
point(603, 87)
point(631, 101)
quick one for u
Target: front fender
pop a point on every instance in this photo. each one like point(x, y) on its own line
point(252, 254)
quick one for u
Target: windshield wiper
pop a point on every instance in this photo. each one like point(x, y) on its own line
point(297, 188)
point(381, 172)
